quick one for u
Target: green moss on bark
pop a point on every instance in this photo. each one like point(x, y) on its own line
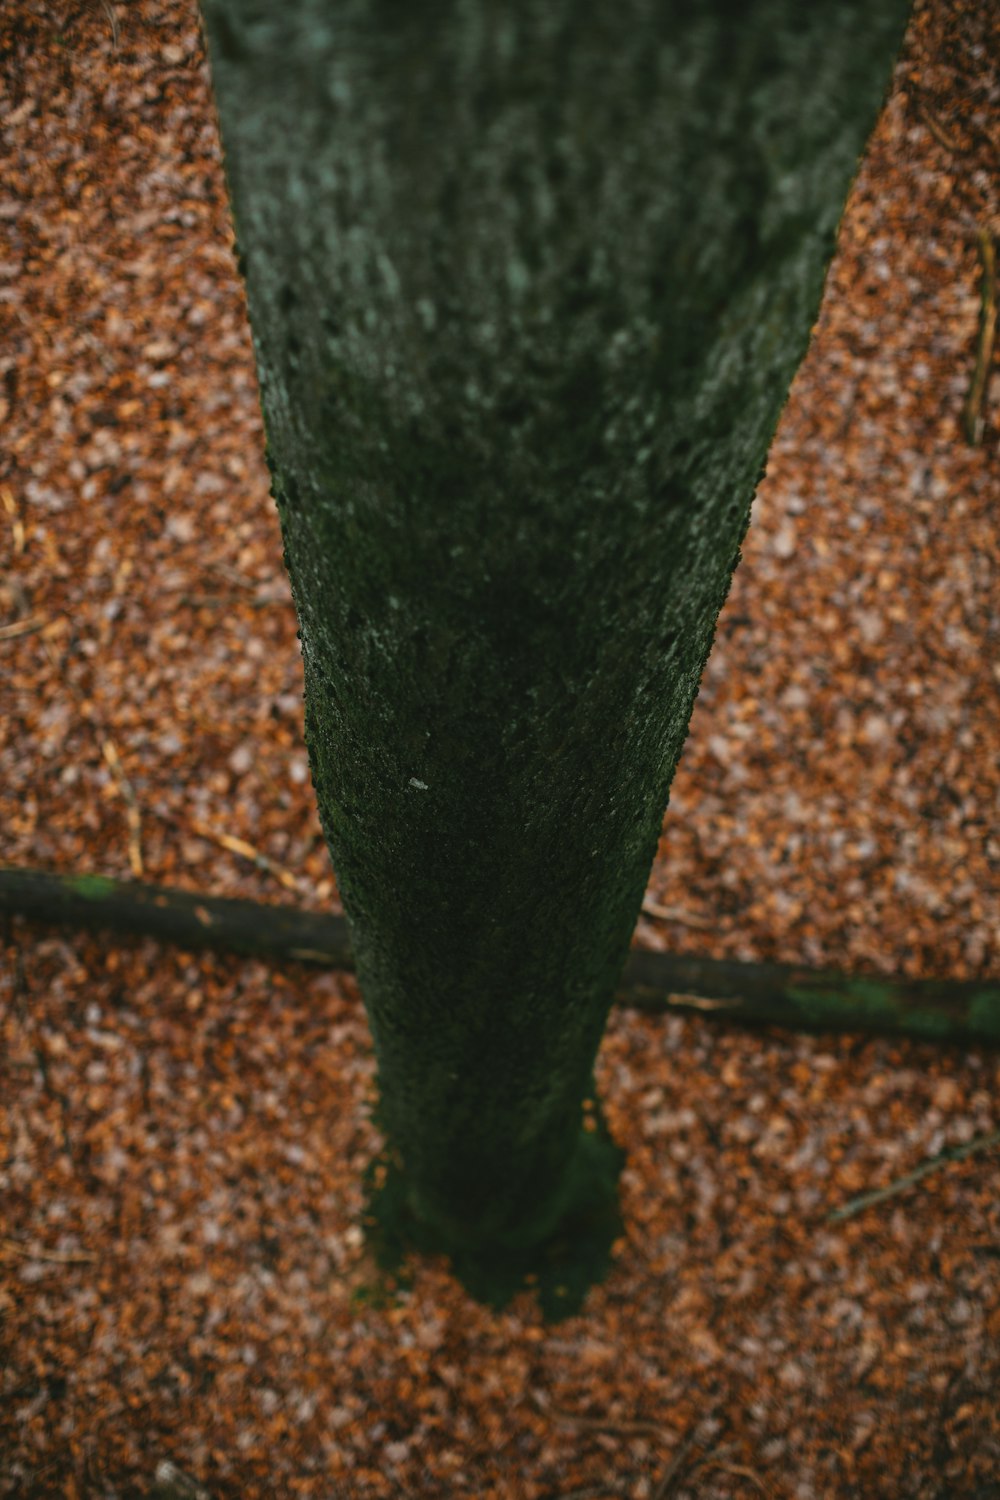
point(528, 284)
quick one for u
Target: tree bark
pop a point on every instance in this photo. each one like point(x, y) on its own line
point(528, 284)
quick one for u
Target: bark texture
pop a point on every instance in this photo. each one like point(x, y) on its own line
point(528, 284)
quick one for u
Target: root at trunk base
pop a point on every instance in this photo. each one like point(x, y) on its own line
point(561, 1266)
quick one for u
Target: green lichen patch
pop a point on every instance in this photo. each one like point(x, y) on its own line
point(92, 887)
point(984, 1014)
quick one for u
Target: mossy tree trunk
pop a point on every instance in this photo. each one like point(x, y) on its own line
point(528, 283)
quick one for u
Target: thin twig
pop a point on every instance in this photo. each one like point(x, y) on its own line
point(589, 1492)
point(604, 1424)
point(879, 1195)
point(108, 10)
point(57, 1257)
point(937, 130)
point(676, 1466)
point(742, 1470)
point(16, 524)
point(235, 576)
point(23, 627)
point(247, 851)
point(702, 1002)
point(131, 806)
point(972, 413)
point(223, 601)
point(673, 914)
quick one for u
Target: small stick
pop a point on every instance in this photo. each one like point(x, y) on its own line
point(603, 1424)
point(972, 413)
point(247, 851)
point(937, 130)
point(235, 576)
point(702, 1002)
point(131, 806)
point(222, 601)
point(742, 1470)
point(57, 1257)
point(673, 914)
point(589, 1492)
point(109, 12)
point(17, 525)
point(23, 627)
point(676, 1465)
point(954, 1153)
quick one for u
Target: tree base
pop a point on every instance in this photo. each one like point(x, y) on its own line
point(562, 1266)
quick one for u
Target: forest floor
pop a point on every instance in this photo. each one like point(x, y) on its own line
point(183, 1274)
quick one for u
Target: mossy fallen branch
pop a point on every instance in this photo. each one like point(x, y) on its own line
point(786, 995)
point(188, 919)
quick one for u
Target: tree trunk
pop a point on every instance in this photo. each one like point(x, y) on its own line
point(528, 284)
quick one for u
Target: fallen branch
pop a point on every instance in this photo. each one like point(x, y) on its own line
point(793, 996)
point(932, 1164)
point(774, 994)
point(185, 918)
